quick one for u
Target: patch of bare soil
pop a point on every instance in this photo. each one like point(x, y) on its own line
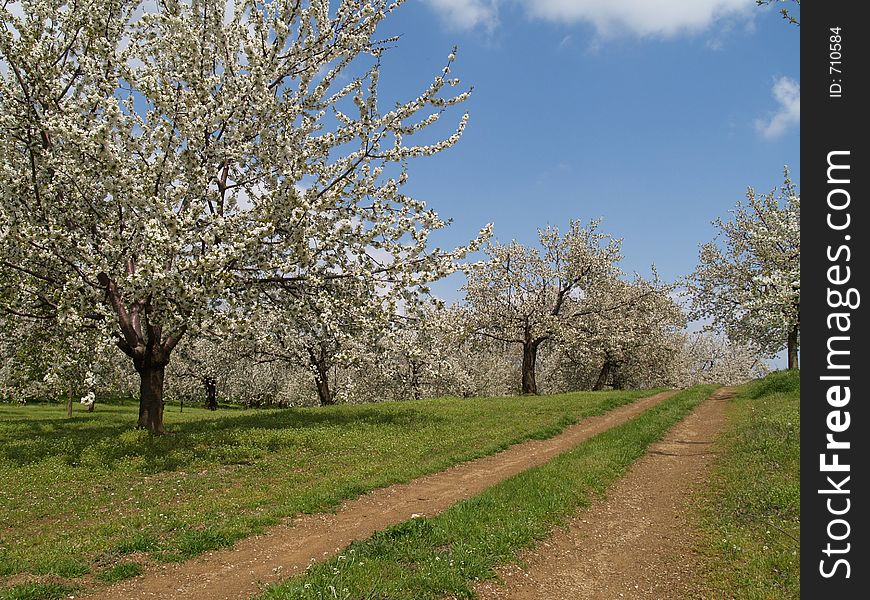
point(286, 550)
point(638, 543)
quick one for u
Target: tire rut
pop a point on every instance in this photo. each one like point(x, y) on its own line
point(286, 550)
point(637, 543)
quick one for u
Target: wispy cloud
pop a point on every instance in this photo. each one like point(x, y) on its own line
point(642, 18)
point(787, 93)
point(467, 14)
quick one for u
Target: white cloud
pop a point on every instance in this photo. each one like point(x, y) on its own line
point(467, 14)
point(643, 18)
point(787, 93)
point(661, 18)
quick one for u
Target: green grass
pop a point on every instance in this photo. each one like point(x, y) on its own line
point(37, 591)
point(84, 494)
point(751, 514)
point(120, 572)
point(442, 556)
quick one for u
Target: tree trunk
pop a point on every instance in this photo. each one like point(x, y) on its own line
point(602, 376)
point(530, 356)
point(69, 400)
point(793, 347)
point(143, 341)
point(151, 397)
point(415, 380)
point(321, 378)
point(618, 380)
point(210, 393)
point(92, 405)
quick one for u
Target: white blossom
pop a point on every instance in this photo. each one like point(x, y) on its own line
point(164, 170)
point(525, 296)
point(748, 284)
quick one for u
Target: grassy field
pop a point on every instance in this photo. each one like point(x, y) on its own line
point(751, 514)
point(88, 499)
point(442, 556)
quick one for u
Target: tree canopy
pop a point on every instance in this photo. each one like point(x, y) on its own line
point(747, 283)
point(159, 167)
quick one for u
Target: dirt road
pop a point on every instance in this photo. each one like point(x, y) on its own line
point(240, 572)
point(638, 543)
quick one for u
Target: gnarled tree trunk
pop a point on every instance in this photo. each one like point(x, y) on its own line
point(210, 392)
point(320, 359)
point(793, 347)
point(530, 357)
point(321, 378)
point(151, 395)
point(603, 374)
point(144, 342)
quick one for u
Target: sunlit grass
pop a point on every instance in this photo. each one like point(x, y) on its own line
point(37, 591)
point(751, 513)
point(82, 494)
point(441, 557)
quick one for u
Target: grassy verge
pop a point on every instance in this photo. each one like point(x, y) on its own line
point(443, 555)
point(751, 513)
point(91, 495)
point(37, 591)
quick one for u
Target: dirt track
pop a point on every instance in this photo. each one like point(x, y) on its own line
point(637, 544)
point(240, 572)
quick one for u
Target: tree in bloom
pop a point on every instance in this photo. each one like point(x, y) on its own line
point(39, 362)
point(703, 357)
point(200, 367)
point(625, 323)
point(162, 166)
point(212, 368)
point(319, 330)
point(748, 284)
point(523, 296)
point(427, 351)
point(413, 355)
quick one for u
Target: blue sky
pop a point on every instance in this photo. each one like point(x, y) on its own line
point(653, 114)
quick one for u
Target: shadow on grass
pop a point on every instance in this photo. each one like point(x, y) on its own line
point(108, 441)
